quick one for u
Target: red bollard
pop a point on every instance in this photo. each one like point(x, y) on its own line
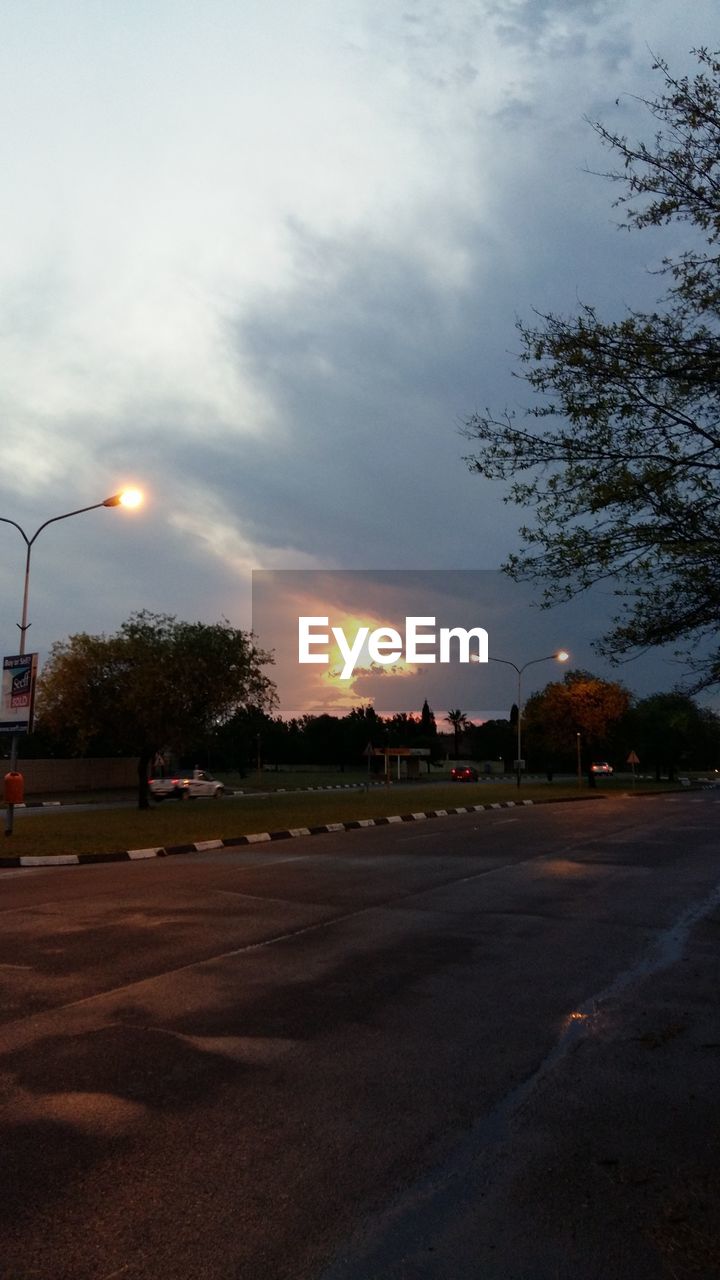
point(13, 793)
point(14, 788)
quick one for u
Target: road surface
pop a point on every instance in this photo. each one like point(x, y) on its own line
point(479, 1047)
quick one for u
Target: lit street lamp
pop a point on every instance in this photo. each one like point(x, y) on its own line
point(560, 656)
point(126, 498)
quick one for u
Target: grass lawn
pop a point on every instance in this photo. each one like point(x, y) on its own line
point(105, 831)
point(290, 779)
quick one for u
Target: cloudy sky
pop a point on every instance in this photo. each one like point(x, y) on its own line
point(263, 258)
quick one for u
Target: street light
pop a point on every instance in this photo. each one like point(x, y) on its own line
point(126, 498)
point(561, 656)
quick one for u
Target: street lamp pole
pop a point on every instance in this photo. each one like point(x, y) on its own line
point(560, 656)
point(127, 498)
point(115, 501)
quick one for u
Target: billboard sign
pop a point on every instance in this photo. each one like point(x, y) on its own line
point(17, 697)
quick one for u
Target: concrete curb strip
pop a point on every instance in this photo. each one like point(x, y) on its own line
point(259, 837)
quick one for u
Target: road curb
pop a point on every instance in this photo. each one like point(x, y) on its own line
point(267, 837)
point(42, 804)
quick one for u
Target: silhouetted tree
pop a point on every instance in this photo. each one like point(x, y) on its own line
point(620, 460)
point(459, 722)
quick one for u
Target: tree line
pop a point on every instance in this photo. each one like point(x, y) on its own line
point(668, 732)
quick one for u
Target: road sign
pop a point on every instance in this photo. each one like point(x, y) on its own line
point(18, 693)
point(633, 758)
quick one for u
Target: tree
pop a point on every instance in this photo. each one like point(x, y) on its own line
point(251, 739)
point(580, 703)
point(428, 734)
point(669, 731)
point(494, 740)
point(620, 459)
point(156, 683)
point(428, 727)
point(459, 722)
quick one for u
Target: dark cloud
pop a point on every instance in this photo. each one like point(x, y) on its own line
point(370, 365)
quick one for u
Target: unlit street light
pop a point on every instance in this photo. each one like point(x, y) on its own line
point(561, 656)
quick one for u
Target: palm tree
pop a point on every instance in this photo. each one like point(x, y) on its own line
point(459, 722)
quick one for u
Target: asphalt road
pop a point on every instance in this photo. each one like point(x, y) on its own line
point(480, 1047)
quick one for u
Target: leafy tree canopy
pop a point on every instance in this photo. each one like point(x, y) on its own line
point(581, 703)
point(669, 730)
point(620, 456)
point(156, 683)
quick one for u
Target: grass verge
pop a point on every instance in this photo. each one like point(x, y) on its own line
point(54, 832)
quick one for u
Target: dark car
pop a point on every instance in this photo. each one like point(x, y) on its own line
point(464, 773)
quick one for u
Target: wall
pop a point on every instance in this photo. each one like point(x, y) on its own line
point(48, 776)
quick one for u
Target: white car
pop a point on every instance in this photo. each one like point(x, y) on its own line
point(190, 788)
point(603, 768)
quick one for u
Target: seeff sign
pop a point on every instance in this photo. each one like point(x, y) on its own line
point(18, 693)
point(421, 643)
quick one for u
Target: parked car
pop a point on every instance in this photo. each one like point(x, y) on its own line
point(463, 773)
point(602, 768)
point(190, 788)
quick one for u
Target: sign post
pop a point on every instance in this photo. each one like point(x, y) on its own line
point(17, 705)
point(632, 760)
point(369, 752)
